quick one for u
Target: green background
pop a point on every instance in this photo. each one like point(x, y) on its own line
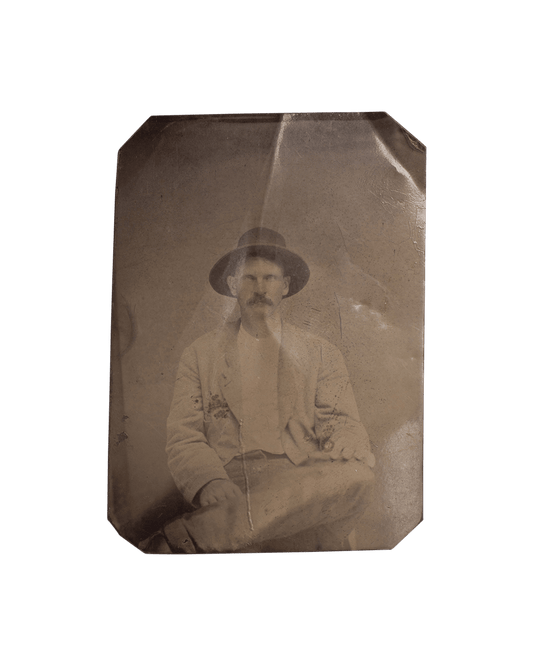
point(79, 80)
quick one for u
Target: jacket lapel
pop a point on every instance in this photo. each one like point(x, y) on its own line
point(231, 371)
point(286, 383)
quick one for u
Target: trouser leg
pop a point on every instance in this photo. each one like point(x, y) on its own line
point(280, 501)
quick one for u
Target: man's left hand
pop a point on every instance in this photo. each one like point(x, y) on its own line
point(345, 451)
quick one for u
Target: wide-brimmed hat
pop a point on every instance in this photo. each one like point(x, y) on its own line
point(267, 244)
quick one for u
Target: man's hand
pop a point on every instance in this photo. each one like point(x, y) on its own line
point(218, 490)
point(350, 452)
point(343, 451)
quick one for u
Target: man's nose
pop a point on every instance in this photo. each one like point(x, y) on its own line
point(261, 286)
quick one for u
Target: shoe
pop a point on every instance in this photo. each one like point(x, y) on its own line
point(156, 544)
point(178, 538)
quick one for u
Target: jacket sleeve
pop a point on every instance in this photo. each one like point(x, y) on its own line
point(336, 414)
point(191, 460)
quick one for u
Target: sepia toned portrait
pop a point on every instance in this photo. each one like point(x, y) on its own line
point(267, 334)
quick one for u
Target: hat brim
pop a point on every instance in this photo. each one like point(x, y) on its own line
point(294, 266)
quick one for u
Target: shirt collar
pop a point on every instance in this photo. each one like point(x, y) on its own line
point(243, 334)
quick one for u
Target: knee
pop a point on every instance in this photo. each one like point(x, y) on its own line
point(365, 474)
point(363, 483)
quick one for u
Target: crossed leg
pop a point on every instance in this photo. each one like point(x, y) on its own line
point(284, 507)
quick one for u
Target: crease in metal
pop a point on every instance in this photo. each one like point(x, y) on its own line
point(390, 158)
point(416, 197)
point(273, 168)
point(275, 165)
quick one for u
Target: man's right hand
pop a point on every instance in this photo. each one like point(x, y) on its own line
point(218, 490)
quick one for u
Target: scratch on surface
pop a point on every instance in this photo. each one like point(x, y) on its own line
point(132, 326)
point(339, 306)
point(246, 484)
point(157, 430)
point(343, 239)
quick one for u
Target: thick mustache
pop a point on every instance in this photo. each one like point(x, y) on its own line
point(258, 298)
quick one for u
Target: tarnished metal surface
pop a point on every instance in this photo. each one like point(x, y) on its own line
point(346, 191)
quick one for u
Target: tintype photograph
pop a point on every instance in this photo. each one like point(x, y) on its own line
point(268, 334)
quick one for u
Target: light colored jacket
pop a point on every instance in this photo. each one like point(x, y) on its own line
point(316, 405)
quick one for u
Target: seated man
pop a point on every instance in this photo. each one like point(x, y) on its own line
point(264, 436)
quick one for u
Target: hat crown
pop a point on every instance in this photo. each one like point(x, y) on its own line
point(267, 244)
point(261, 236)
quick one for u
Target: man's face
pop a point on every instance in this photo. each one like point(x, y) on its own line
point(259, 286)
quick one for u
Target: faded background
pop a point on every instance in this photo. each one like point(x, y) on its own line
point(347, 192)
